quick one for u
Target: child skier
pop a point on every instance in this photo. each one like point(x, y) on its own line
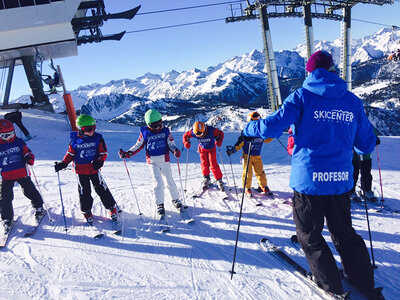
point(14, 155)
point(88, 150)
point(158, 141)
point(290, 142)
point(255, 162)
point(208, 138)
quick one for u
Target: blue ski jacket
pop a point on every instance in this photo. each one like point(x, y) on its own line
point(327, 121)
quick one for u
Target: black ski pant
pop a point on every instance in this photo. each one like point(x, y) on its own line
point(363, 167)
point(309, 213)
point(85, 192)
point(7, 195)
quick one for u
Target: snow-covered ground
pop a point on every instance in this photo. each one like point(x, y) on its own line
point(192, 261)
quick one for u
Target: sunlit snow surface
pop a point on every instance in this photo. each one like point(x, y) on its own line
point(191, 261)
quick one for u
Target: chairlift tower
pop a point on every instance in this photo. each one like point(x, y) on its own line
point(338, 10)
point(34, 31)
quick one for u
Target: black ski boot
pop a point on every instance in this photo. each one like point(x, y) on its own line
point(160, 209)
point(39, 212)
point(177, 203)
point(206, 182)
point(113, 213)
point(369, 196)
point(221, 185)
point(88, 216)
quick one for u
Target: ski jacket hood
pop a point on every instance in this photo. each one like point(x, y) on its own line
point(325, 84)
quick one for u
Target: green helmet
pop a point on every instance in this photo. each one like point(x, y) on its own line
point(85, 120)
point(152, 116)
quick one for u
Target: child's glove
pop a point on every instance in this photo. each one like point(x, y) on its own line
point(97, 164)
point(186, 144)
point(29, 159)
point(218, 143)
point(59, 165)
point(125, 154)
point(177, 153)
point(230, 150)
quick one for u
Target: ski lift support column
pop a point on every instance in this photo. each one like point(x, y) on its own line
point(9, 81)
point(275, 99)
point(346, 68)
point(308, 29)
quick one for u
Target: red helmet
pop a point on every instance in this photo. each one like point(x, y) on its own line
point(6, 130)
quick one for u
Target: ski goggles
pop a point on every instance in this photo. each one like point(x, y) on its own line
point(156, 125)
point(7, 135)
point(89, 128)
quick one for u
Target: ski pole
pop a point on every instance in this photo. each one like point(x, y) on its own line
point(104, 184)
point(233, 176)
point(283, 146)
point(379, 168)
point(187, 163)
point(133, 190)
point(180, 180)
point(370, 238)
point(40, 192)
point(240, 213)
point(62, 203)
point(223, 165)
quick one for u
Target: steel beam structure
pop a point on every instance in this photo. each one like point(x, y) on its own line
point(339, 10)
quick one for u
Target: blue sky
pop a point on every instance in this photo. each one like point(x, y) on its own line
point(187, 47)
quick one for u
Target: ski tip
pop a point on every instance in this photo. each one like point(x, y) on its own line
point(258, 204)
point(118, 232)
point(263, 240)
point(99, 236)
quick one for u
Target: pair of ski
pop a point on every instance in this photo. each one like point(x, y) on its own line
point(222, 193)
point(33, 228)
point(97, 233)
point(378, 206)
point(270, 195)
point(276, 252)
point(163, 226)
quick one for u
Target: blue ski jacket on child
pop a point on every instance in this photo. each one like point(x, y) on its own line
point(328, 121)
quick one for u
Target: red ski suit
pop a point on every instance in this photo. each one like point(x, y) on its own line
point(290, 142)
point(207, 150)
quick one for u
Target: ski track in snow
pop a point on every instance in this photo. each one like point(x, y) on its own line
point(191, 261)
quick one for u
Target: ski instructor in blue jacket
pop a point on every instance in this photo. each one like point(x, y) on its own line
point(327, 121)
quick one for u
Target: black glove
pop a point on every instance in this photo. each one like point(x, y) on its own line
point(378, 141)
point(230, 150)
point(125, 154)
point(97, 164)
point(59, 165)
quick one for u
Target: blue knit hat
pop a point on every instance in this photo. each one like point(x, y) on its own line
point(320, 59)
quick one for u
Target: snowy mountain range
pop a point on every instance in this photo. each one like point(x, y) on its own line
point(232, 88)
